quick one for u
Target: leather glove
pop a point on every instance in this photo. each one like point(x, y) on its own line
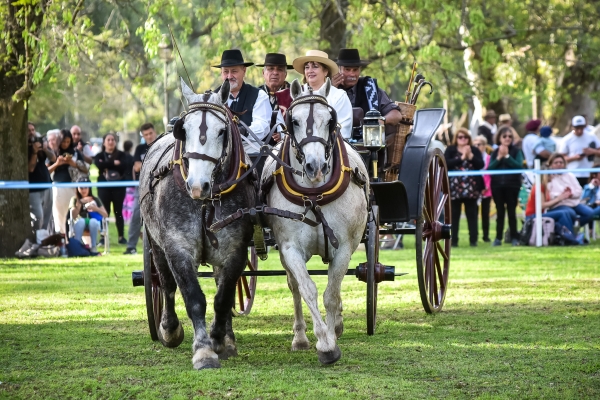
point(242, 130)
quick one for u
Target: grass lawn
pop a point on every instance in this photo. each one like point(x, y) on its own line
point(518, 322)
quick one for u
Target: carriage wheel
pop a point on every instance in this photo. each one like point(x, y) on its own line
point(246, 289)
point(432, 239)
point(154, 295)
point(372, 259)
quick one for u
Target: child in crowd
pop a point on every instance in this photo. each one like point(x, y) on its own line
point(591, 195)
point(544, 146)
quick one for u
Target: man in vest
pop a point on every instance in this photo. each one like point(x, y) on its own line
point(275, 71)
point(251, 104)
point(363, 90)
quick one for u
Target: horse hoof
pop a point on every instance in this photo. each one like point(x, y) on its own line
point(339, 330)
point(228, 352)
point(329, 357)
point(171, 340)
point(299, 346)
point(207, 363)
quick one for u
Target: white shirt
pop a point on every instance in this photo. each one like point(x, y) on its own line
point(338, 99)
point(573, 145)
point(261, 120)
point(528, 146)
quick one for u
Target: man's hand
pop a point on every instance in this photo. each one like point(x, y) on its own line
point(36, 146)
point(588, 151)
point(117, 162)
point(337, 79)
point(277, 137)
point(137, 166)
point(80, 146)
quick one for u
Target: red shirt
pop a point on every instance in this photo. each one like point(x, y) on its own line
point(530, 207)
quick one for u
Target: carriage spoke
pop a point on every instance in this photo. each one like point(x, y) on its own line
point(441, 205)
point(435, 300)
point(426, 257)
point(432, 285)
point(438, 267)
point(246, 287)
point(240, 296)
point(441, 251)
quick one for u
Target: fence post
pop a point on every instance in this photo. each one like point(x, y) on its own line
point(538, 203)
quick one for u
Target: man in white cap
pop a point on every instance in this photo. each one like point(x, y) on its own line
point(579, 148)
point(252, 104)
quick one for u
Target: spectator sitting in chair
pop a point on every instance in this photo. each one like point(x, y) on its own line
point(566, 186)
point(591, 194)
point(87, 212)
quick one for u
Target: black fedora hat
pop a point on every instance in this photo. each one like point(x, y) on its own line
point(351, 58)
point(275, 59)
point(229, 58)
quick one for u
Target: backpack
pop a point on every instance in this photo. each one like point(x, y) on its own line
point(528, 234)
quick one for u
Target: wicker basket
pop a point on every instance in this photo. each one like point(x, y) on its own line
point(395, 142)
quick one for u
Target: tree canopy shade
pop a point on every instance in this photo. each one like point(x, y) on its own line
point(95, 61)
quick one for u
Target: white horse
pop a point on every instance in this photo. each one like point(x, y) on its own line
point(297, 241)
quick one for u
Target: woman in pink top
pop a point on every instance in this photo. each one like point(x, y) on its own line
point(486, 195)
point(567, 184)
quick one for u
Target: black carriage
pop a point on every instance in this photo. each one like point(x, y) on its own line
point(413, 198)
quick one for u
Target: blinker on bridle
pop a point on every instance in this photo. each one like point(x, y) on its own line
point(311, 100)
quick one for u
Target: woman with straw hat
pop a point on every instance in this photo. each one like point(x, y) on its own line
point(316, 67)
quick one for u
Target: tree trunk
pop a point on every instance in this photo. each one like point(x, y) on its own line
point(333, 27)
point(14, 204)
point(576, 87)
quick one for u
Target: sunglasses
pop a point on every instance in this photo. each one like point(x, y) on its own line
point(462, 137)
point(507, 137)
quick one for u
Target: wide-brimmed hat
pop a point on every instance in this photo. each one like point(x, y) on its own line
point(489, 114)
point(351, 58)
point(275, 59)
point(316, 56)
point(229, 58)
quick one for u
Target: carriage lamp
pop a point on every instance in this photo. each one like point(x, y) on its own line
point(373, 136)
point(373, 131)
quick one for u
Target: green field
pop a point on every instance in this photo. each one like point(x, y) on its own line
point(517, 323)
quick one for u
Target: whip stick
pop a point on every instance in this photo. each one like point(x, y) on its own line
point(412, 77)
point(181, 58)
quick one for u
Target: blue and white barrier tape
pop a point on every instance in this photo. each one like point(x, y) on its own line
point(27, 185)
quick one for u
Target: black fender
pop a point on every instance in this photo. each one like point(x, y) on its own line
point(417, 155)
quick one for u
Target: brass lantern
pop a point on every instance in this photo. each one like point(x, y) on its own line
point(373, 131)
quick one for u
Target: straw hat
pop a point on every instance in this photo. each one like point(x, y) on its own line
point(317, 56)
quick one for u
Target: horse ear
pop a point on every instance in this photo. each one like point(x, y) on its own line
point(295, 89)
point(186, 91)
point(179, 130)
point(224, 92)
point(327, 87)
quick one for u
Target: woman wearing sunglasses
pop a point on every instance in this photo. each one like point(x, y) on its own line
point(506, 187)
point(463, 156)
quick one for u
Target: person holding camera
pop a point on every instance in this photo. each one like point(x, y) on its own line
point(40, 200)
point(69, 167)
point(111, 164)
point(87, 211)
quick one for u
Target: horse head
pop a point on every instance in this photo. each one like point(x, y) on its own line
point(312, 124)
point(206, 130)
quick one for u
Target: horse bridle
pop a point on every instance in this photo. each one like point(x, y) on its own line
point(312, 99)
point(223, 114)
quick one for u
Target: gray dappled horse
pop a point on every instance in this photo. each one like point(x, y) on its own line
point(178, 213)
point(310, 148)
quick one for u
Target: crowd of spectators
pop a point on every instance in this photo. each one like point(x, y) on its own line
point(63, 156)
point(571, 199)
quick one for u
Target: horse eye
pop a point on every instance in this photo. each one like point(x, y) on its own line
point(222, 131)
point(296, 123)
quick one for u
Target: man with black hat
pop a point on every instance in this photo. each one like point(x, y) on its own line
point(363, 90)
point(251, 104)
point(488, 127)
point(274, 71)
